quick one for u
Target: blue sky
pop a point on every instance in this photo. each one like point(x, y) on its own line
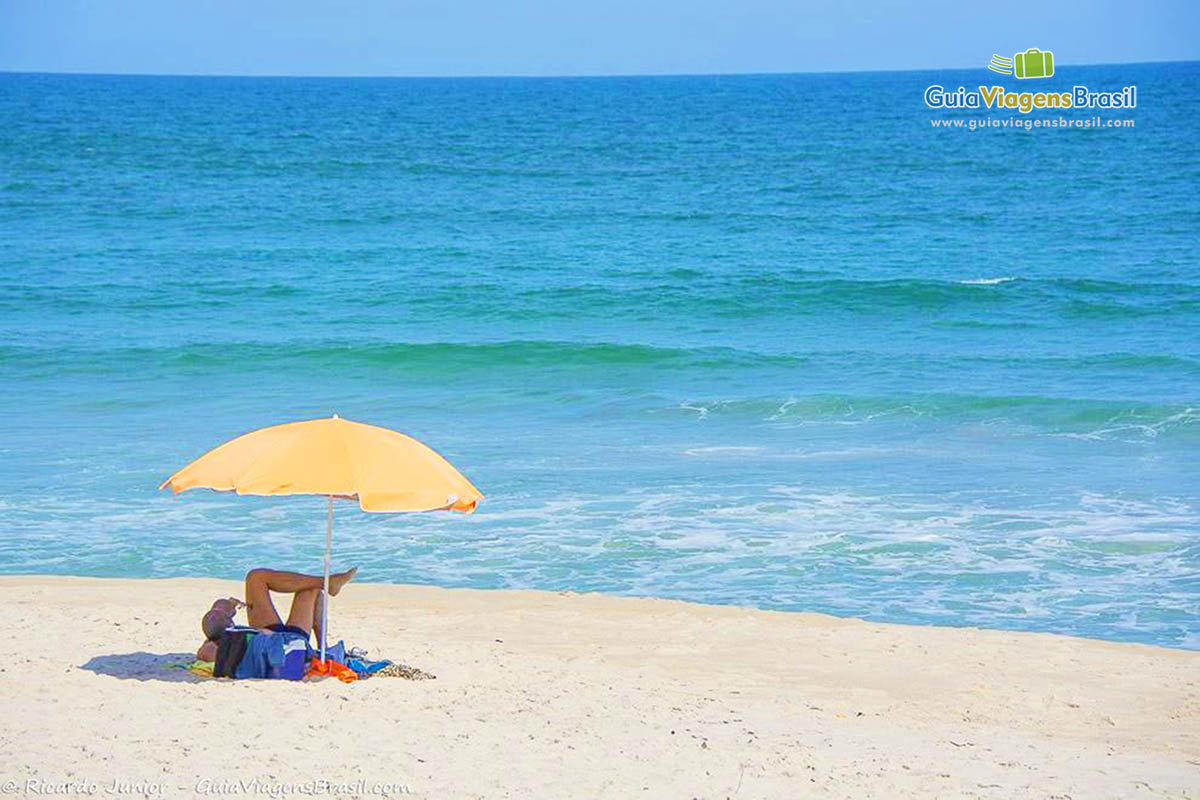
point(553, 37)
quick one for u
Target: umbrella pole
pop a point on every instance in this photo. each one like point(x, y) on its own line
point(325, 595)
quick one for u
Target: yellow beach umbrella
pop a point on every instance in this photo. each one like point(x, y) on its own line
point(384, 470)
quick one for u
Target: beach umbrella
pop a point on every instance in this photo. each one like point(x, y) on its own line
point(384, 470)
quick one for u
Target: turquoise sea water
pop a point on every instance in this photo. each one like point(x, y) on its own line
point(766, 340)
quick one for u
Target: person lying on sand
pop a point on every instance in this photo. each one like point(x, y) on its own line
point(303, 618)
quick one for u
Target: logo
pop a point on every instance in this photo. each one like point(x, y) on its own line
point(1033, 63)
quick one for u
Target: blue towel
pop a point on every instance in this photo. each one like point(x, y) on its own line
point(364, 667)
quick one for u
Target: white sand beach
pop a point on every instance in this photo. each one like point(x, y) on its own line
point(543, 695)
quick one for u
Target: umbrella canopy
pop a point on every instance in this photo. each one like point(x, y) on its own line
point(382, 469)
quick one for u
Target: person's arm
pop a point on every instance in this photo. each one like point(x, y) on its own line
point(207, 652)
point(230, 605)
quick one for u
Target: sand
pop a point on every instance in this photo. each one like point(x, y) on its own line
point(544, 695)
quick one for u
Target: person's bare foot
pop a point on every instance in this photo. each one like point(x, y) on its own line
point(340, 579)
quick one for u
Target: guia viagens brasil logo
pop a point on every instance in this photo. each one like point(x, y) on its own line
point(1029, 64)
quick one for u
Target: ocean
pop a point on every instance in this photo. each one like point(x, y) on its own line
point(759, 340)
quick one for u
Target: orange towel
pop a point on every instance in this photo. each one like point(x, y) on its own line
point(331, 667)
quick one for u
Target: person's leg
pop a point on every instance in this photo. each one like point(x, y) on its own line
point(303, 612)
point(318, 616)
point(260, 611)
point(308, 606)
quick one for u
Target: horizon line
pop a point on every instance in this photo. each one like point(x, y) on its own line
point(559, 76)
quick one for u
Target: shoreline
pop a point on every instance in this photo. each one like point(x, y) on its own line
point(634, 597)
point(592, 695)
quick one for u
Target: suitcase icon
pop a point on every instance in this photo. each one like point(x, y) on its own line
point(1033, 63)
